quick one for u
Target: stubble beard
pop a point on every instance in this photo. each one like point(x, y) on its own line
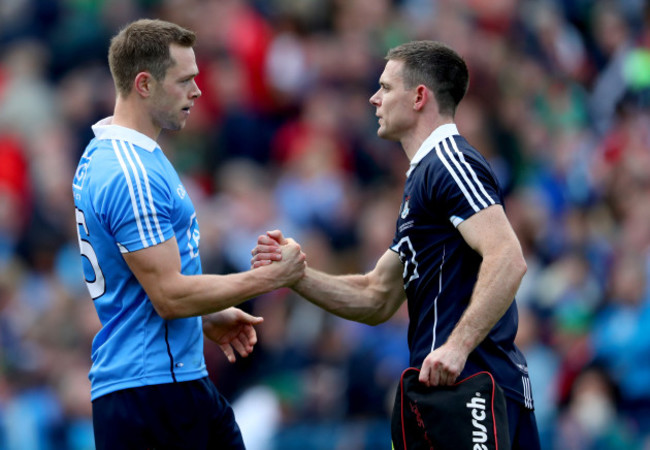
point(168, 122)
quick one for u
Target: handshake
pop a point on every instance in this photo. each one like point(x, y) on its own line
point(290, 261)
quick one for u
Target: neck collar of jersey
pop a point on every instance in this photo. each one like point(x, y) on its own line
point(438, 135)
point(104, 129)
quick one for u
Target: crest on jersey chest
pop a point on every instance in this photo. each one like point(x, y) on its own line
point(405, 208)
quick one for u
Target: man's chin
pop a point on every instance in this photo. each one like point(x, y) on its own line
point(174, 126)
point(382, 133)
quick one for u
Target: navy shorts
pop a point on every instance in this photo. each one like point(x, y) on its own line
point(523, 427)
point(185, 415)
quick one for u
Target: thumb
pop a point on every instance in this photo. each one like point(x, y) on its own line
point(277, 236)
point(424, 375)
point(249, 319)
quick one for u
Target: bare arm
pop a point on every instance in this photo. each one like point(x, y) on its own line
point(503, 266)
point(174, 295)
point(370, 298)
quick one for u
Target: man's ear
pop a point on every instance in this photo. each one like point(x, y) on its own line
point(143, 84)
point(422, 97)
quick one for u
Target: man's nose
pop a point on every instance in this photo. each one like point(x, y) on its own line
point(196, 92)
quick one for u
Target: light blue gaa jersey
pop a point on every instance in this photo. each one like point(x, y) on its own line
point(128, 197)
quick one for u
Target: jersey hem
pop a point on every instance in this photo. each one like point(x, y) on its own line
point(107, 388)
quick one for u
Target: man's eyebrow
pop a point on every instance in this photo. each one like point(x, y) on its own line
point(189, 76)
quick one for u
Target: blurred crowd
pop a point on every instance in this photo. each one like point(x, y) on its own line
point(284, 137)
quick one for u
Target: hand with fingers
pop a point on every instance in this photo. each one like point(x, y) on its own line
point(268, 249)
point(273, 247)
point(442, 366)
point(233, 330)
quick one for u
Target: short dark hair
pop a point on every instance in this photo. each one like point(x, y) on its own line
point(436, 66)
point(143, 46)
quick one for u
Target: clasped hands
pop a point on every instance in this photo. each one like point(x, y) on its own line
point(233, 329)
point(441, 367)
point(269, 248)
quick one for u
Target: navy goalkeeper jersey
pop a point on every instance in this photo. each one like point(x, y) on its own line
point(447, 182)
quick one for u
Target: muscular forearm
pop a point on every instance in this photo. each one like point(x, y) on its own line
point(185, 296)
point(352, 297)
point(370, 298)
point(174, 295)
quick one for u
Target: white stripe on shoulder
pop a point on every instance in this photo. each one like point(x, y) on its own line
point(134, 204)
point(471, 171)
point(454, 158)
point(458, 181)
point(465, 171)
point(126, 146)
point(154, 214)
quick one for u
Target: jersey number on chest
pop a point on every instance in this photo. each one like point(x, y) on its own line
point(407, 255)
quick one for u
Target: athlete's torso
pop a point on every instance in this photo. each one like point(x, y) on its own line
point(128, 197)
point(445, 186)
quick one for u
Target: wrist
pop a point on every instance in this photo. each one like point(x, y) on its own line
point(301, 284)
point(461, 344)
point(266, 278)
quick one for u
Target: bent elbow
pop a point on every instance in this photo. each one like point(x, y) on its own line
point(385, 304)
point(514, 262)
point(376, 320)
point(164, 311)
point(166, 308)
point(168, 299)
point(521, 267)
point(382, 313)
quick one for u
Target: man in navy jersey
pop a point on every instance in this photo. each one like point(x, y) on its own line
point(455, 257)
point(139, 242)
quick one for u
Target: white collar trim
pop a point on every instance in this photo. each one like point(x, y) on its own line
point(438, 135)
point(104, 129)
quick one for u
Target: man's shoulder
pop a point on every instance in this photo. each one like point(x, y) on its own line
point(455, 155)
point(100, 159)
point(468, 150)
point(114, 158)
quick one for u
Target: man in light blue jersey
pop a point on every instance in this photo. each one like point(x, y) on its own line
point(139, 242)
point(454, 258)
